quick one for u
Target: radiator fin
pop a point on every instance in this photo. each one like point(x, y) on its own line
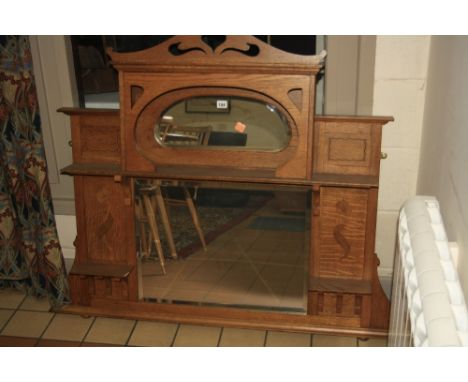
point(428, 305)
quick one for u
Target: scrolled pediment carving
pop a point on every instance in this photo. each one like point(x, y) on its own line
point(243, 52)
point(215, 46)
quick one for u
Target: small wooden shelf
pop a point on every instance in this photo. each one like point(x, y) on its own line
point(101, 270)
point(176, 173)
point(343, 180)
point(88, 111)
point(97, 169)
point(354, 118)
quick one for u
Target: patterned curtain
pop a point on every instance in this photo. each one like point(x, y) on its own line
point(30, 254)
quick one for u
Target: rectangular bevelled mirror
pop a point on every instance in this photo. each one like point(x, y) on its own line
point(214, 244)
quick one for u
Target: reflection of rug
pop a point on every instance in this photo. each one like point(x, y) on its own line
point(214, 221)
point(277, 223)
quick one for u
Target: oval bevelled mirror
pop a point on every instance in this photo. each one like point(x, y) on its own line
point(220, 122)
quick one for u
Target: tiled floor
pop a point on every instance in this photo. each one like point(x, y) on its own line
point(27, 321)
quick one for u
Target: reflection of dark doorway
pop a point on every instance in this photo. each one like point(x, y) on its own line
point(292, 44)
point(94, 74)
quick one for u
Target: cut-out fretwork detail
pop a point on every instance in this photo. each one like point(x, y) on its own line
point(213, 41)
point(295, 95)
point(358, 305)
point(177, 51)
point(247, 53)
point(252, 51)
point(136, 92)
point(339, 303)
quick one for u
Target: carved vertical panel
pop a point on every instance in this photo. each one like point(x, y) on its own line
point(342, 233)
point(335, 304)
point(96, 137)
point(105, 220)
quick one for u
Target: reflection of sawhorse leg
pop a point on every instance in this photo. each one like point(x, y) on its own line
point(165, 220)
point(145, 251)
point(193, 212)
point(150, 214)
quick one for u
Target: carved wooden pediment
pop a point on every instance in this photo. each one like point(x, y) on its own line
point(216, 53)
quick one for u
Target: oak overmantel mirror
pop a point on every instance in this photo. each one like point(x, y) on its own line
point(215, 195)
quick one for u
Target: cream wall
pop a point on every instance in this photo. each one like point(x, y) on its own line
point(399, 90)
point(56, 87)
point(349, 75)
point(443, 170)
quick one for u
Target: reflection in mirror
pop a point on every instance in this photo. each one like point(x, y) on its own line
point(223, 245)
point(217, 122)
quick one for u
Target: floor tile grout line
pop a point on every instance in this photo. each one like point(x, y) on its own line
point(45, 329)
point(87, 332)
point(7, 321)
point(214, 287)
point(35, 311)
point(15, 310)
point(22, 302)
point(175, 336)
point(220, 335)
point(131, 333)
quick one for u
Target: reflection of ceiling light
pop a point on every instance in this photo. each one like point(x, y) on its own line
point(167, 118)
point(271, 108)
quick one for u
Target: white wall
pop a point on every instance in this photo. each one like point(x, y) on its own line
point(399, 91)
point(443, 170)
point(66, 229)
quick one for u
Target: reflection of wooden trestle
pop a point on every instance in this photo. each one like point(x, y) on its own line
point(150, 200)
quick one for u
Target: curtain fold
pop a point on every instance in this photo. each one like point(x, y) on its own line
point(30, 253)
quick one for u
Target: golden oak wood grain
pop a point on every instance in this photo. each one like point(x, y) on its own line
point(336, 157)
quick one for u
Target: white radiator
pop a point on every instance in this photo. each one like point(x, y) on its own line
point(428, 305)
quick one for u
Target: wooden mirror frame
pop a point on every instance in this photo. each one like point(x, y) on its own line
point(198, 70)
point(338, 158)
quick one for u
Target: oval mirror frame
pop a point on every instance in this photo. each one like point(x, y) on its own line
point(223, 122)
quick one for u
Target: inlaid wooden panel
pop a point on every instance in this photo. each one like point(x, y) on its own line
point(341, 233)
point(96, 137)
point(347, 147)
point(105, 220)
point(100, 144)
